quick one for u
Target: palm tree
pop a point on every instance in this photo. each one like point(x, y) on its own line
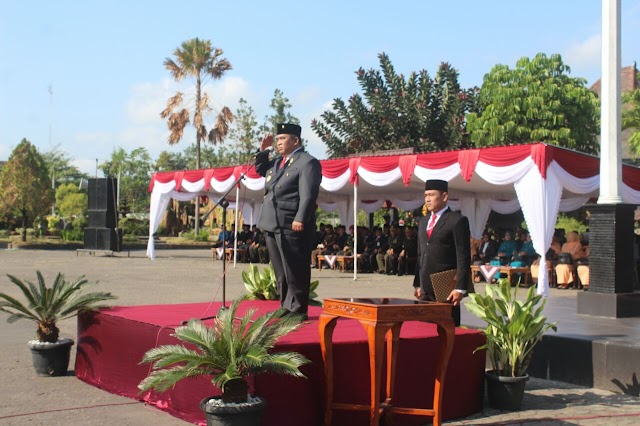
point(199, 60)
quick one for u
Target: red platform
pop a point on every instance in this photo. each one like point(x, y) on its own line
point(111, 344)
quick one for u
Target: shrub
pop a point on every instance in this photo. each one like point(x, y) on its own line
point(203, 235)
point(72, 234)
point(53, 222)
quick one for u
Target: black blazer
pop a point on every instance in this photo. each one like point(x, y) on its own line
point(447, 248)
point(290, 192)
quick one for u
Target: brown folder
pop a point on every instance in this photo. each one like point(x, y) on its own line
point(443, 284)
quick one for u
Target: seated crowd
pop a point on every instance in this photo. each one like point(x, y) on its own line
point(567, 260)
point(392, 250)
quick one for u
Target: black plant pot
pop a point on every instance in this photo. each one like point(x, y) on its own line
point(505, 392)
point(51, 359)
point(233, 414)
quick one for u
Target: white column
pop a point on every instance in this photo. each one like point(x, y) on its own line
point(610, 132)
point(355, 232)
point(235, 237)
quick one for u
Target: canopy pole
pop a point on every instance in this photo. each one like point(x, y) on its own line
point(355, 231)
point(235, 235)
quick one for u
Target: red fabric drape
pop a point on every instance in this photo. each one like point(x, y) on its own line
point(542, 155)
point(334, 168)
point(178, 176)
point(468, 160)
point(379, 164)
point(631, 177)
point(354, 163)
point(575, 163)
point(223, 173)
point(579, 165)
point(437, 160)
point(504, 155)
point(208, 174)
point(407, 165)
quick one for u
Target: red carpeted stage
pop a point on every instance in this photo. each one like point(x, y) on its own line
point(111, 343)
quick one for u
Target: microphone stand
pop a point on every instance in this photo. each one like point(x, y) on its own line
point(222, 202)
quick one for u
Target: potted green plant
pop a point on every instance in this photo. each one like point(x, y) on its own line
point(46, 306)
point(229, 351)
point(263, 285)
point(513, 328)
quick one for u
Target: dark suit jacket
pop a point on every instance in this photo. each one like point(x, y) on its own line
point(290, 192)
point(447, 248)
point(490, 252)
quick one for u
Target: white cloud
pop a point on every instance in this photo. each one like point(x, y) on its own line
point(86, 165)
point(153, 138)
point(584, 57)
point(4, 152)
point(313, 143)
point(93, 138)
point(147, 102)
point(307, 96)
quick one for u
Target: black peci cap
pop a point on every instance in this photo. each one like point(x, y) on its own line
point(289, 129)
point(437, 184)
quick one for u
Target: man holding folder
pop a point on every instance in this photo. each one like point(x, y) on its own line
point(443, 245)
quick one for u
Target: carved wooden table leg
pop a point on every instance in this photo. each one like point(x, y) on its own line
point(376, 332)
point(326, 324)
point(446, 331)
point(393, 340)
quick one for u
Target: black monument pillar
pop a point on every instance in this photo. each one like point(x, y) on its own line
point(611, 263)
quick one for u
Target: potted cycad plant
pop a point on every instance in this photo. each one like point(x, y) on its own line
point(46, 306)
point(513, 328)
point(264, 286)
point(228, 352)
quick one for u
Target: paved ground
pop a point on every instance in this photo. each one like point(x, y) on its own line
point(190, 276)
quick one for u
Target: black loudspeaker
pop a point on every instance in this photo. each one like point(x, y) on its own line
point(102, 219)
point(102, 194)
point(102, 239)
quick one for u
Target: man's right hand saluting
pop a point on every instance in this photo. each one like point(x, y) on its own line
point(267, 142)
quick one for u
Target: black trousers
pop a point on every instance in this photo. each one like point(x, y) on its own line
point(289, 253)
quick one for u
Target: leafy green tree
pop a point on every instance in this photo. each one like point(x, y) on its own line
point(71, 201)
point(281, 113)
point(631, 116)
point(536, 102)
point(169, 161)
point(244, 133)
point(397, 112)
point(25, 187)
point(60, 169)
point(59, 166)
point(199, 60)
point(135, 169)
point(210, 157)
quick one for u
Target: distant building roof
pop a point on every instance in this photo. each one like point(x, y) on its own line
point(628, 80)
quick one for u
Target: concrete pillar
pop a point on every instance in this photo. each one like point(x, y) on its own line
point(611, 260)
point(611, 126)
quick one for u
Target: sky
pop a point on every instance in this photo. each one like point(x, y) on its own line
point(88, 77)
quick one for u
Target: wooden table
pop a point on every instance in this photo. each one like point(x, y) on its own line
point(345, 261)
point(509, 270)
point(382, 318)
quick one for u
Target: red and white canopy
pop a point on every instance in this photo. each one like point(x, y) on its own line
point(537, 178)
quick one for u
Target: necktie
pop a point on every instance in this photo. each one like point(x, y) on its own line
point(284, 161)
point(432, 223)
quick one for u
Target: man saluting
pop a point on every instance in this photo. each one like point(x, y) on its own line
point(292, 183)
